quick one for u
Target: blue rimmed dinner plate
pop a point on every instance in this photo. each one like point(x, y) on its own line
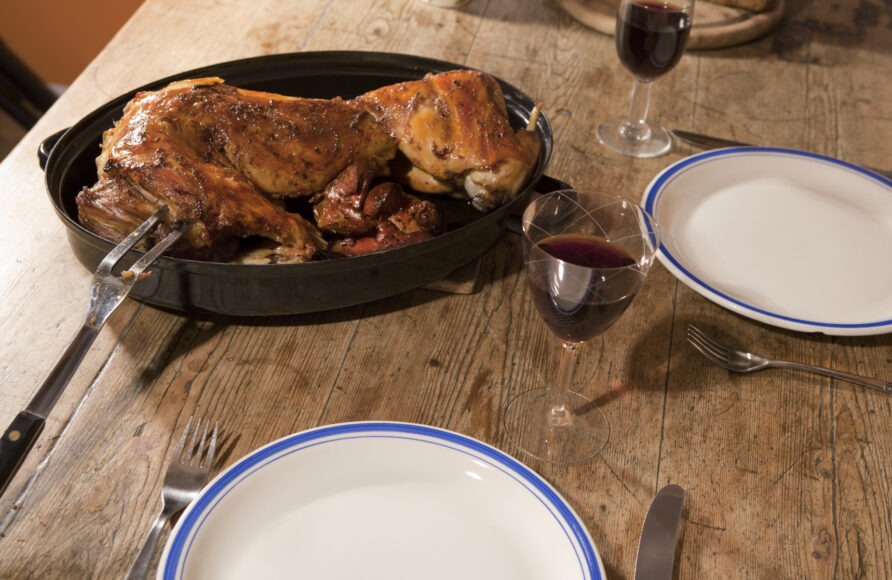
point(792, 239)
point(380, 500)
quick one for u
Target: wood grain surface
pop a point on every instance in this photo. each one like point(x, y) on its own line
point(787, 474)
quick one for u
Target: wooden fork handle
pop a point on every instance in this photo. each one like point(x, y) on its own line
point(880, 385)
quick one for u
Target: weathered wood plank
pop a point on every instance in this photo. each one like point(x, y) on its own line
point(786, 472)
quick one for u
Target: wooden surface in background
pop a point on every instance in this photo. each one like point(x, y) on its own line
point(787, 474)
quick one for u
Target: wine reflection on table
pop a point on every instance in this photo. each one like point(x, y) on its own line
point(586, 255)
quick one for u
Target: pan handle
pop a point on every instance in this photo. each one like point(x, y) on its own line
point(546, 184)
point(46, 147)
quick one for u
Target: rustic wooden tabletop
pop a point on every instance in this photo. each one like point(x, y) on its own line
point(787, 473)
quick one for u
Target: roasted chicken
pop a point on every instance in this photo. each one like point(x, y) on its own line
point(230, 162)
point(218, 157)
point(454, 131)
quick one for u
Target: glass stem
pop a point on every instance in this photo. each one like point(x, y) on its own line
point(560, 415)
point(637, 127)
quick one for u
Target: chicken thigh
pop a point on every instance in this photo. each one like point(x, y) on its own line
point(218, 157)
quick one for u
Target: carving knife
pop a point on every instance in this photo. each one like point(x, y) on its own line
point(708, 142)
point(656, 548)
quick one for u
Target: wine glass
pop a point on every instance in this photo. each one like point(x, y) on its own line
point(650, 38)
point(586, 255)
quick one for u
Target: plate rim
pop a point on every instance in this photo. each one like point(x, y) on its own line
point(650, 201)
point(176, 548)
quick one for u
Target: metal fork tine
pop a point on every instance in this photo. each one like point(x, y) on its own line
point(179, 449)
point(200, 450)
point(108, 290)
point(695, 332)
point(190, 453)
point(701, 349)
point(698, 332)
point(108, 262)
point(712, 342)
point(146, 260)
point(707, 343)
point(694, 336)
point(704, 348)
point(212, 446)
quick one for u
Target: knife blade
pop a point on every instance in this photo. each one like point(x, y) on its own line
point(705, 141)
point(709, 142)
point(656, 548)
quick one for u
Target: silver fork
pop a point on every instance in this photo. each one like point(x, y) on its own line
point(109, 290)
point(106, 293)
point(186, 474)
point(741, 361)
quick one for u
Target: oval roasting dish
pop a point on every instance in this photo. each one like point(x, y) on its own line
point(68, 159)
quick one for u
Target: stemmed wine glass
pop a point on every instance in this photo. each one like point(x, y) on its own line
point(650, 38)
point(586, 255)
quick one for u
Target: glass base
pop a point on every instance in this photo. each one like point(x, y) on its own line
point(531, 426)
point(619, 135)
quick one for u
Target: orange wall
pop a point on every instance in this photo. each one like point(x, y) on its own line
point(59, 38)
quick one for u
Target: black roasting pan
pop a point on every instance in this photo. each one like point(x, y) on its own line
point(68, 159)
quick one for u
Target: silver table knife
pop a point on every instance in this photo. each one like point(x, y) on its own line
point(656, 548)
point(708, 142)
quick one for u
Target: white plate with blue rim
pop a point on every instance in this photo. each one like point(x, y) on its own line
point(788, 238)
point(378, 500)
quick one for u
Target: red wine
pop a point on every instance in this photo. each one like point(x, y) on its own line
point(586, 251)
point(577, 294)
point(650, 37)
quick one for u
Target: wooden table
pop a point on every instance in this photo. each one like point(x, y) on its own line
point(787, 473)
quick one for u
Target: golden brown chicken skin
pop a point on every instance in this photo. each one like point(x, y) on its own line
point(453, 128)
point(226, 161)
point(290, 146)
point(217, 156)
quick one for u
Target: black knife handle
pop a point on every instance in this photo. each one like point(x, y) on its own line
point(16, 443)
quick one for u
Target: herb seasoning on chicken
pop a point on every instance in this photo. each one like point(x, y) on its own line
point(251, 172)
